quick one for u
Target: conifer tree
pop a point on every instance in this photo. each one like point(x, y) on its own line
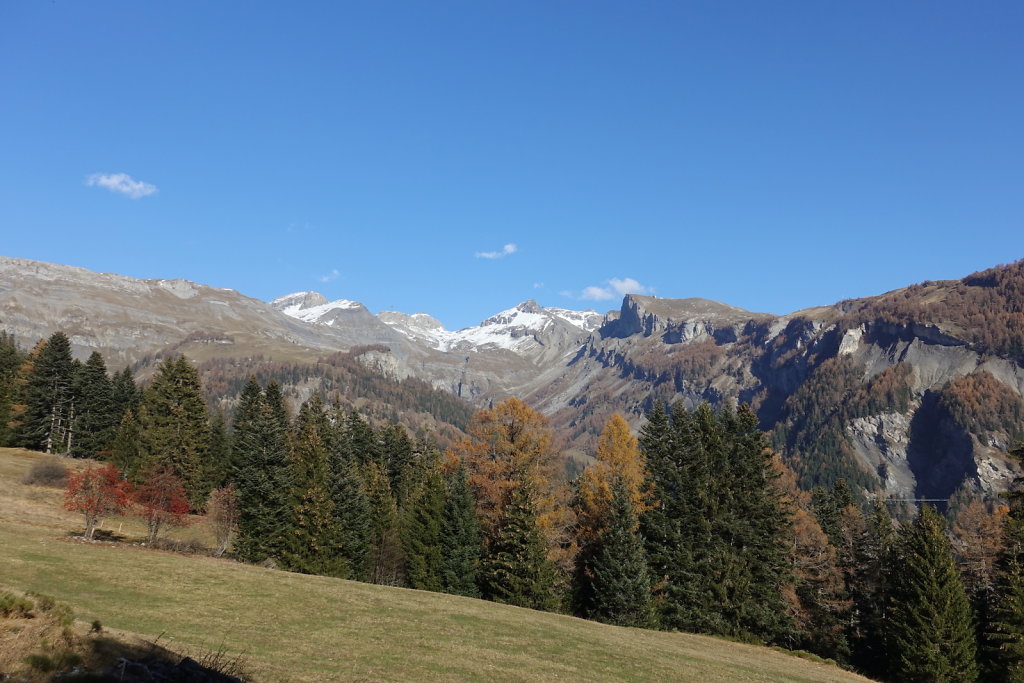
point(397, 454)
point(314, 539)
point(11, 359)
point(868, 585)
point(126, 448)
point(1004, 641)
point(125, 393)
point(48, 397)
point(386, 555)
point(218, 459)
point(96, 418)
point(717, 537)
point(263, 475)
point(360, 440)
point(929, 635)
point(352, 511)
point(515, 569)
point(620, 585)
point(423, 517)
point(175, 426)
point(460, 537)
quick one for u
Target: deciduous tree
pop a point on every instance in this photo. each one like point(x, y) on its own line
point(96, 492)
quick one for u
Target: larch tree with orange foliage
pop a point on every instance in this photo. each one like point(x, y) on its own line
point(509, 445)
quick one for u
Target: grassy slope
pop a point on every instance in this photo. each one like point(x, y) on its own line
point(296, 627)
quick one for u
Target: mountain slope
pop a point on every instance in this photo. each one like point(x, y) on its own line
point(914, 393)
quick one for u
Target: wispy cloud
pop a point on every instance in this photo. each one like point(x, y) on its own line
point(333, 275)
point(122, 183)
point(611, 289)
point(506, 250)
point(538, 285)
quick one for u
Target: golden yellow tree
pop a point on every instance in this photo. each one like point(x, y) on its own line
point(507, 444)
point(618, 456)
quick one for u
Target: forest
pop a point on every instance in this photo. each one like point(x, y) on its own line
point(695, 524)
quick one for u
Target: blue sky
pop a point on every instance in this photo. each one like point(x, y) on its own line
point(772, 155)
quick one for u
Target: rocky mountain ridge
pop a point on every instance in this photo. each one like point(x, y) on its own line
point(860, 389)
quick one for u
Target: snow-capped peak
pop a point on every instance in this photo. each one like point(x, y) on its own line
point(311, 306)
point(515, 329)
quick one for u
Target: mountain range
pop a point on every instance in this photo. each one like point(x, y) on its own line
point(912, 394)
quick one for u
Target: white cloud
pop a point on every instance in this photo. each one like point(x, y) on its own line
point(613, 288)
point(505, 251)
point(121, 183)
point(333, 275)
point(629, 286)
point(593, 293)
point(538, 285)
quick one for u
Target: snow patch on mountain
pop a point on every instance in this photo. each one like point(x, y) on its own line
point(312, 307)
point(516, 329)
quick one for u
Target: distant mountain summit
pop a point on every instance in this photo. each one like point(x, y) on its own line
point(518, 329)
point(913, 393)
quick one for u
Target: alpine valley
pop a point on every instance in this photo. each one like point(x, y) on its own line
point(916, 393)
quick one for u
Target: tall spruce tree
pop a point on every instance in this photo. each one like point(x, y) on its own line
point(126, 448)
point(218, 459)
point(175, 426)
point(460, 537)
point(125, 393)
point(386, 555)
point(868, 585)
point(96, 416)
point(423, 517)
point(929, 635)
point(1004, 641)
point(11, 359)
point(48, 397)
point(314, 538)
point(515, 569)
point(351, 510)
point(263, 475)
point(717, 536)
point(619, 581)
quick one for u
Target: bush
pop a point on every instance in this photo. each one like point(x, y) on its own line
point(15, 605)
point(47, 473)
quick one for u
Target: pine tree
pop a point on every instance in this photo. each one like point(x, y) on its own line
point(515, 569)
point(314, 538)
point(460, 537)
point(96, 418)
point(175, 426)
point(263, 474)
point(620, 584)
point(352, 511)
point(48, 397)
point(929, 635)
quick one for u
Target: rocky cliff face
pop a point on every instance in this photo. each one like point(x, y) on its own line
point(894, 392)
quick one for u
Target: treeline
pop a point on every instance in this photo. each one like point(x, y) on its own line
point(696, 525)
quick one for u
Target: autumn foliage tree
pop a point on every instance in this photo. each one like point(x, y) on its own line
point(96, 492)
point(509, 445)
point(161, 501)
